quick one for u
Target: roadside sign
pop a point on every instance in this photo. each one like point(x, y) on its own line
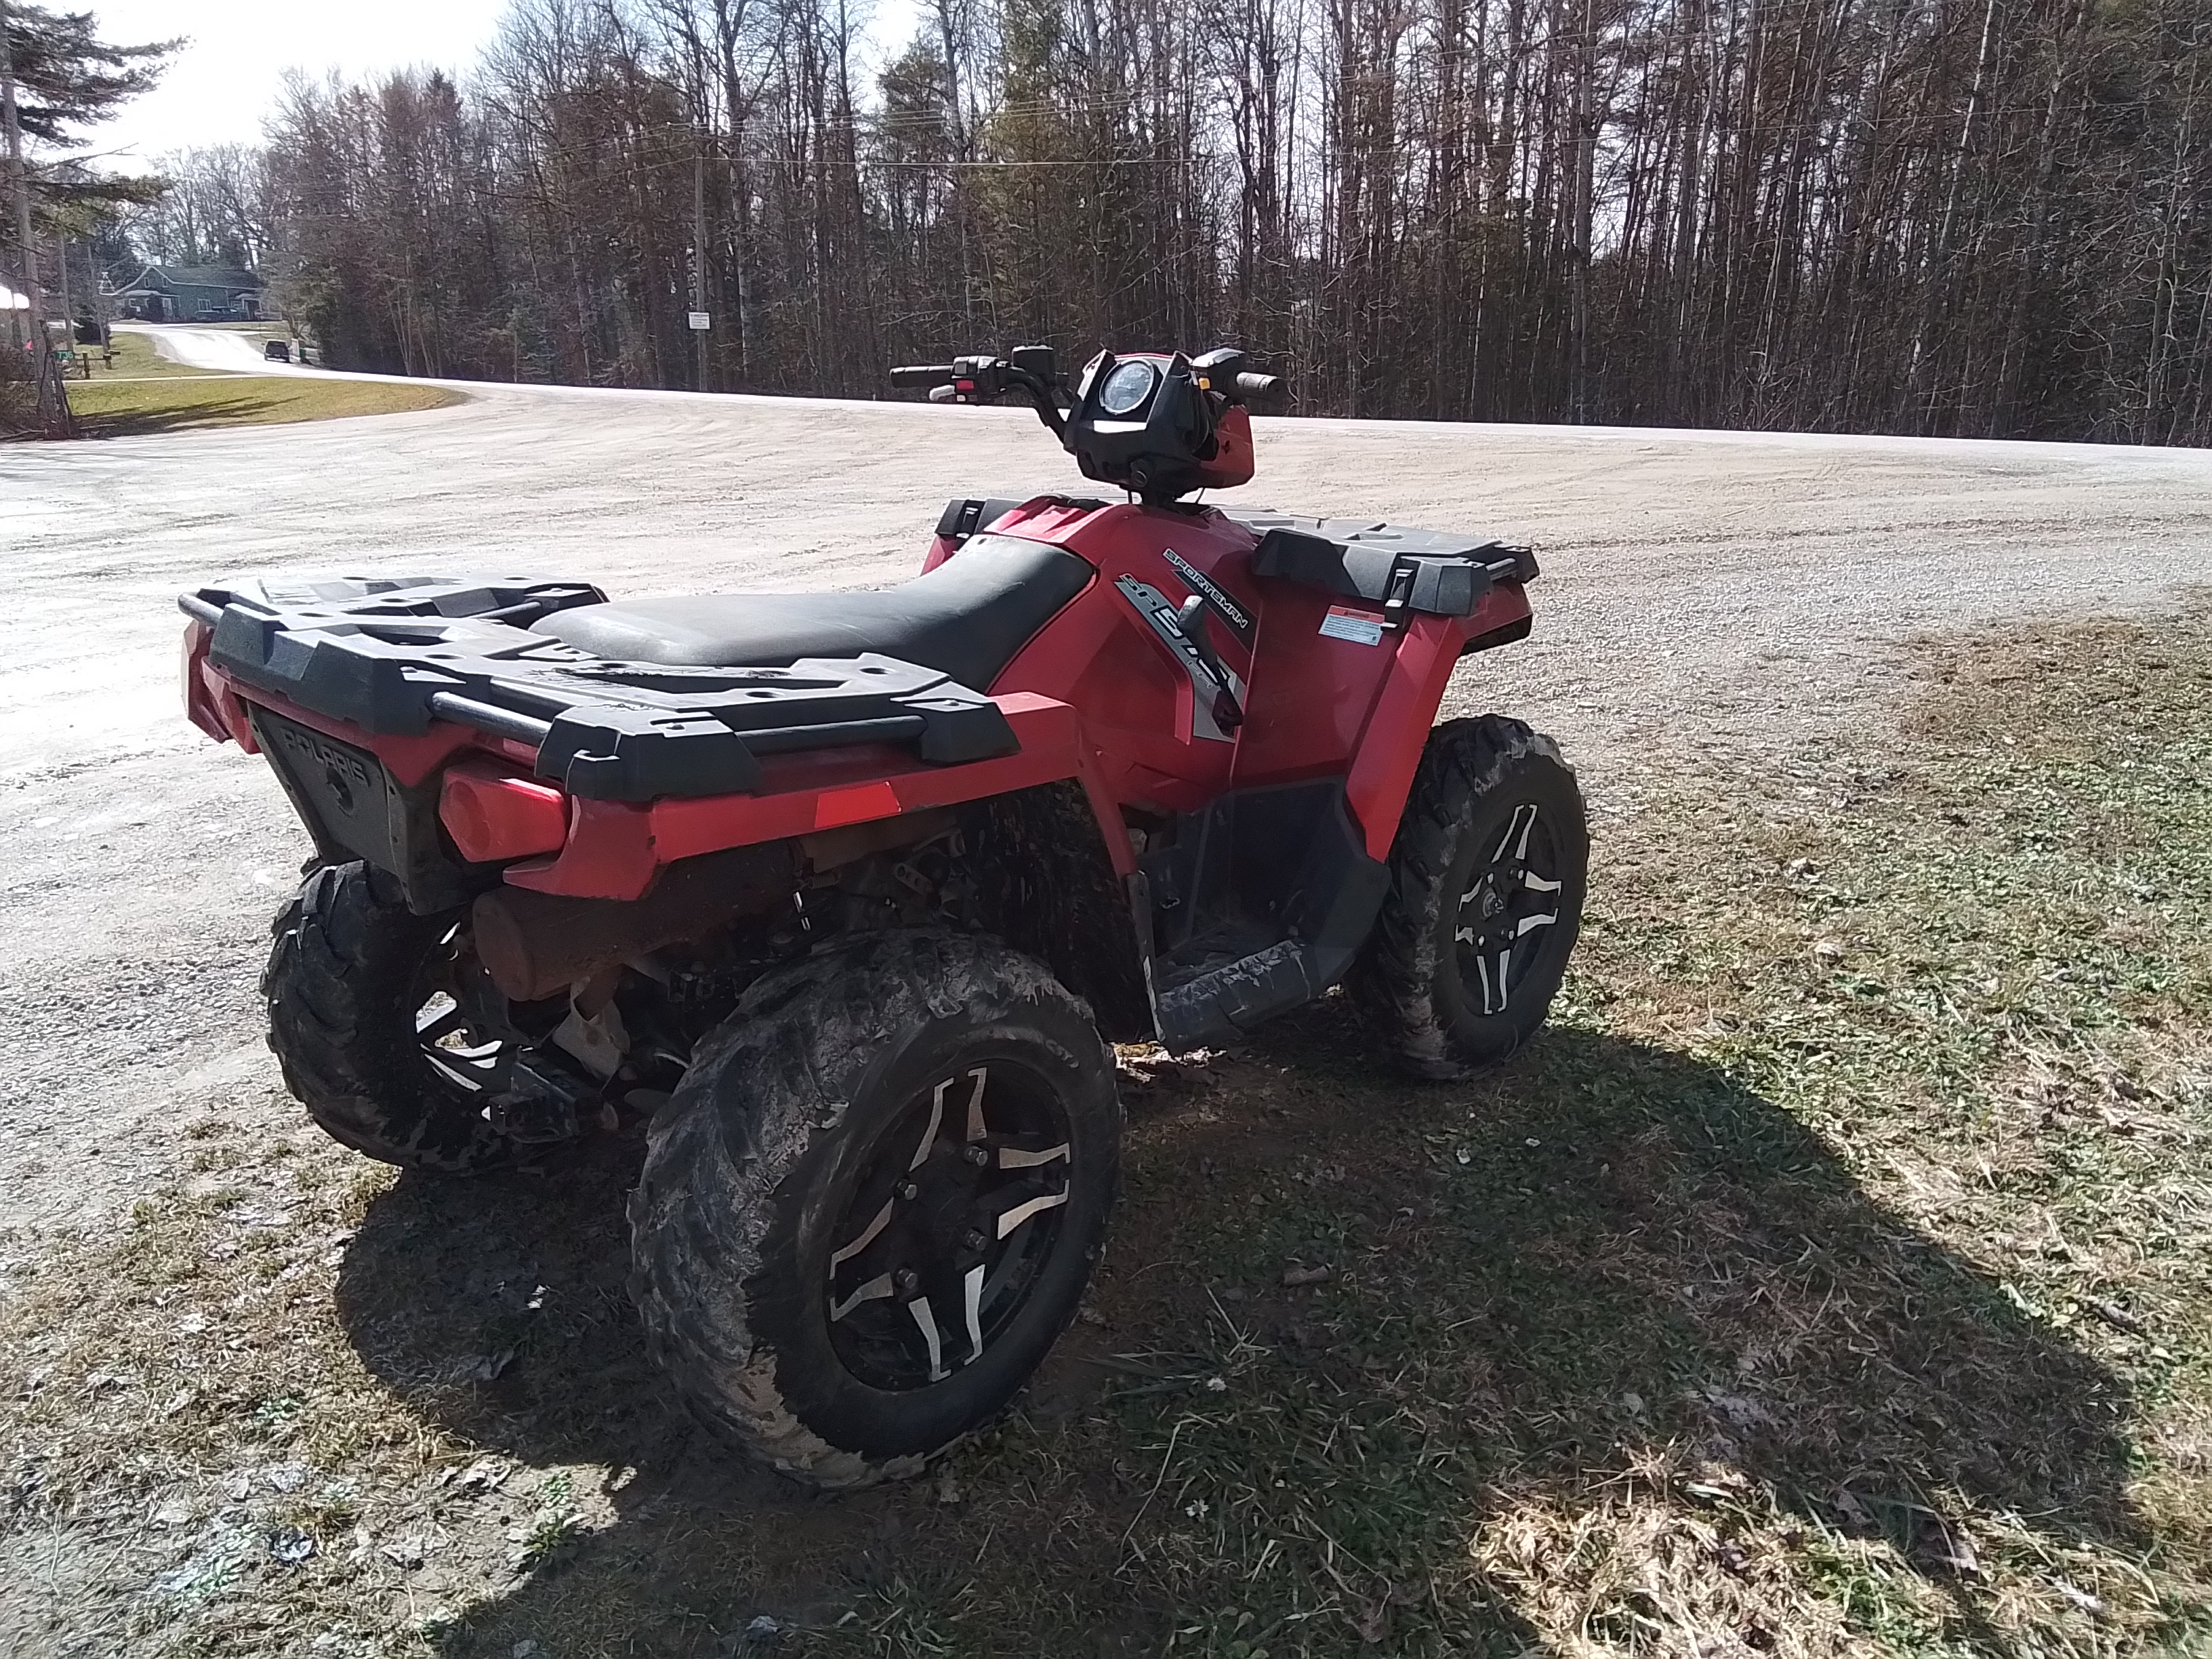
point(701, 322)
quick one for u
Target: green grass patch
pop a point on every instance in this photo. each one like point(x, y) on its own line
point(122, 408)
point(134, 358)
point(1832, 1277)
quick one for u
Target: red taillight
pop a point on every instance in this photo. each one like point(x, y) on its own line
point(494, 817)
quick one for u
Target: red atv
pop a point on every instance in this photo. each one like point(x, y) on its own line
point(847, 893)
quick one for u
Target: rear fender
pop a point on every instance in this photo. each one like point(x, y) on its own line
point(1047, 863)
point(210, 704)
point(615, 848)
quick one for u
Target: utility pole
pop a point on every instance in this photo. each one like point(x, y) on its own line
point(69, 342)
point(19, 180)
point(699, 247)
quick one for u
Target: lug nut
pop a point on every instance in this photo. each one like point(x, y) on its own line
point(906, 1189)
point(978, 1156)
point(905, 1278)
point(975, 1241)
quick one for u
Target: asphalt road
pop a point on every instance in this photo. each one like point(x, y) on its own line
point(1724, 591)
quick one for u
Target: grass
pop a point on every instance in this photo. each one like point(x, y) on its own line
point(145, 392)
point(135, 358)
point(1833, 1277)
point(130, 409)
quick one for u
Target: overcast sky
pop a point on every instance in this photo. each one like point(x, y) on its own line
point(221, 85)
point(225, 79)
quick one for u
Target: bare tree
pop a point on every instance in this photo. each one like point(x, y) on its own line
point(1963, 217)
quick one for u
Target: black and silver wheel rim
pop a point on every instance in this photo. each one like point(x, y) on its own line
point(955, 1211)
point(463, 1058)
point(1509, 910)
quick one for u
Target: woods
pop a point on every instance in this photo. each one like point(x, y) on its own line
point(1965, 217)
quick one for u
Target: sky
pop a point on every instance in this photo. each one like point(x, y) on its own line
point(223, 83)
point(226, 78)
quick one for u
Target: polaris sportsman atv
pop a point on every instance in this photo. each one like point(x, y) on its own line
point(846, 894)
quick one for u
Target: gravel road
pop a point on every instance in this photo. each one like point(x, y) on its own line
point(1701, 590)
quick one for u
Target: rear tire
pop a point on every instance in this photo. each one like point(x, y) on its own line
point(873, 1203)
point(1487, 875)
point(350, 975)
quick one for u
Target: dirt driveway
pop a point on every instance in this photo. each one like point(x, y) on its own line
point(1705, 590)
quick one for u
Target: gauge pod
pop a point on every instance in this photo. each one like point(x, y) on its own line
point(1126, 386)
point(1152, 423)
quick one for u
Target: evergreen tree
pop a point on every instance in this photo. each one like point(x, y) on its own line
point(68, 79)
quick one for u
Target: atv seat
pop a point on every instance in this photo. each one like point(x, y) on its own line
point(966, 619)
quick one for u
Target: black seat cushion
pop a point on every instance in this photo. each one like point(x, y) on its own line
point(966, 619)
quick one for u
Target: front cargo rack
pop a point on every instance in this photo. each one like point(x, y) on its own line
point(390, 655)
point(1397, 568)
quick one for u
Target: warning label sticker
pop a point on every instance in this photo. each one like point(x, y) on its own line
point(1360, 627)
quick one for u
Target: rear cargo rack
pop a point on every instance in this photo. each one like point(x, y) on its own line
point(390, 655)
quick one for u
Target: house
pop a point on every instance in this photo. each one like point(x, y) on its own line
point(185, 294)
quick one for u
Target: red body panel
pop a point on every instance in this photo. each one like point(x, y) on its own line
point(1233, 460)
point(1100, 655)
point(614, 849)
point(1097, 695)
point(220, 713)
point(209, 703)
point(1314, 706)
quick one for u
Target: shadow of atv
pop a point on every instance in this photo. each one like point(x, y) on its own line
point(1640, 1257)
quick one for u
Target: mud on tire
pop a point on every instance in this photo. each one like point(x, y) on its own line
point(350, 970)
point(874, 1201)
point(1487, 877)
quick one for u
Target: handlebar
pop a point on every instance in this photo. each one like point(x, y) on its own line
point(985, 380)
point(1029, 373)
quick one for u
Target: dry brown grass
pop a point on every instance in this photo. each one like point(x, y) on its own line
point(1830, 1278)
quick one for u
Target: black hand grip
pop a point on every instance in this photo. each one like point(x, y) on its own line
point(1259, 385)
point(924, 374)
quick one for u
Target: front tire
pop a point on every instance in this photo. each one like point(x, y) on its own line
point(371, 1038)
point(1487, 877)
point(873, 1203)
